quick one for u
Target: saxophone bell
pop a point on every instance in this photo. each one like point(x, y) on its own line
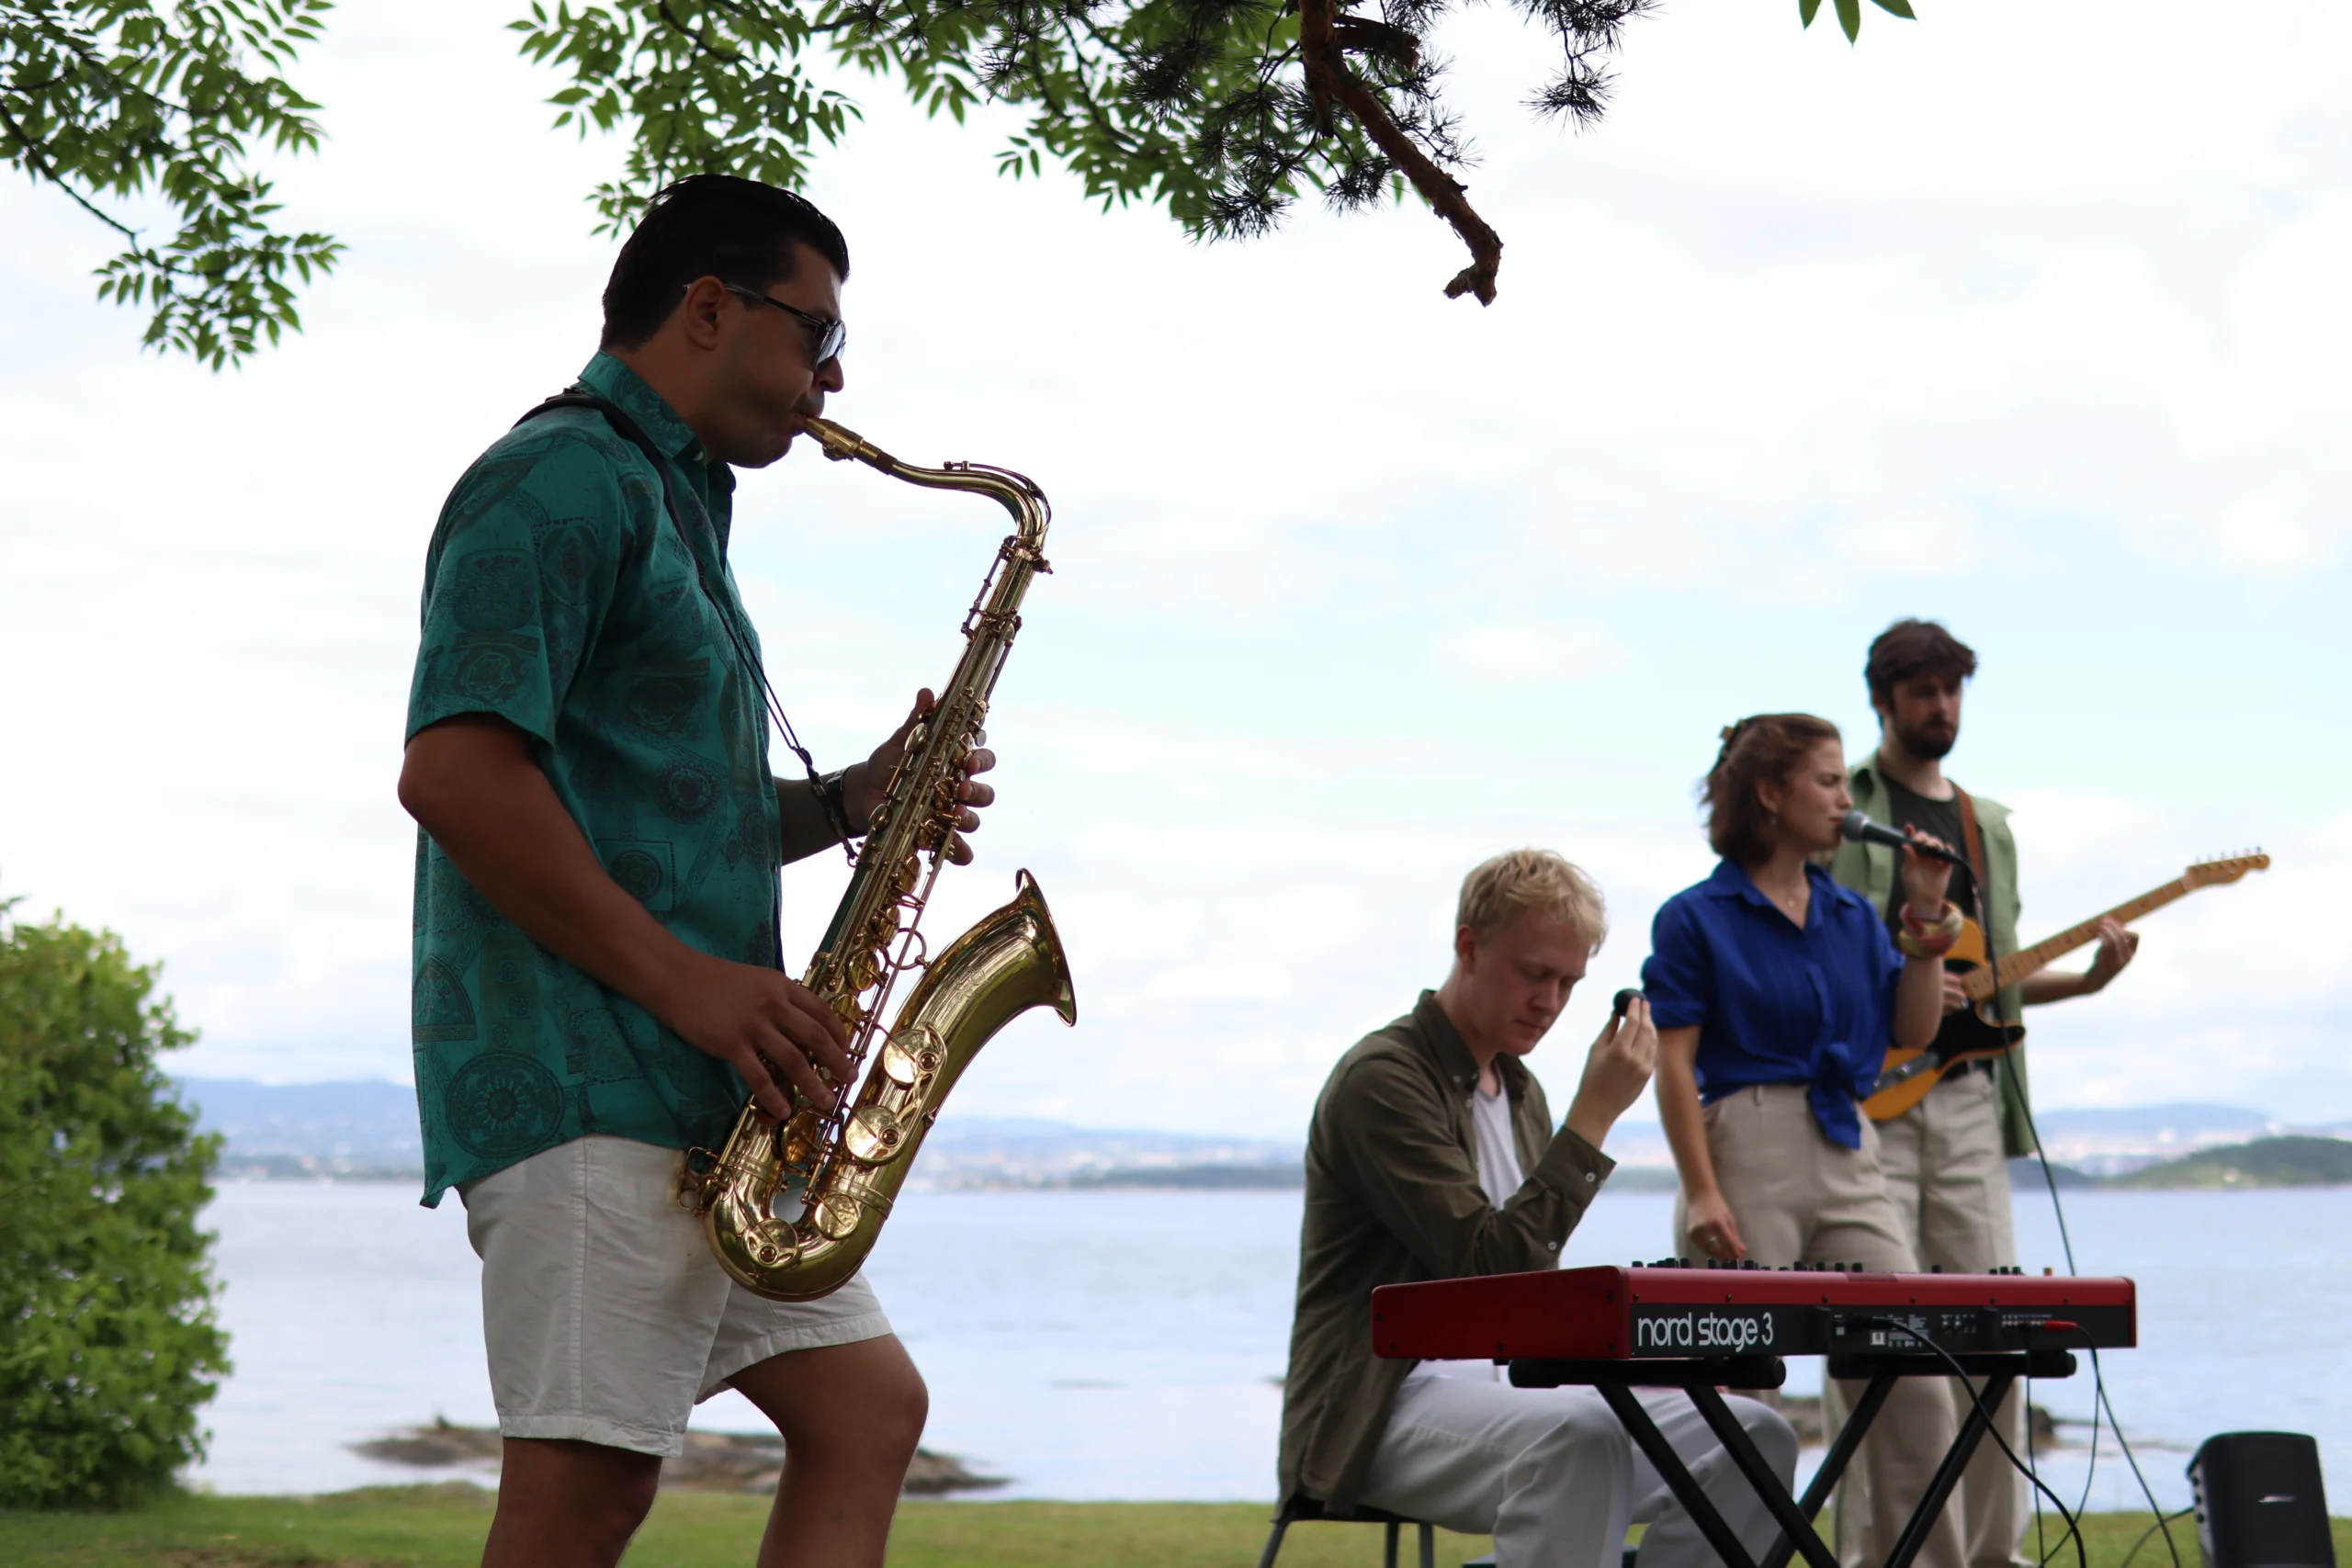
point(845, 1168)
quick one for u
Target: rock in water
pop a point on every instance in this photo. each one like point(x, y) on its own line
point(713, 1462)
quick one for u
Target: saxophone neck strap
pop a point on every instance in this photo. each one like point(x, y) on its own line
point(579, 397)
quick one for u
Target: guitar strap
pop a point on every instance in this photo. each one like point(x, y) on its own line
point(1973, 842)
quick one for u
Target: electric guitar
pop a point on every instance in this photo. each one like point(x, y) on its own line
point(1976, 1030)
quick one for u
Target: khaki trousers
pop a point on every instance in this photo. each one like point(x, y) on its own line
point(1949, 1184)
point(1798, 1198)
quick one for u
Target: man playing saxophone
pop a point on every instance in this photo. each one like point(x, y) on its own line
point(1432, 1154)
point(596, 952)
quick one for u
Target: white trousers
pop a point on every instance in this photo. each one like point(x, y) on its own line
point(1554, 1477)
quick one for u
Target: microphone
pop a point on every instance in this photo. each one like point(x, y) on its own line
point(1855, 828)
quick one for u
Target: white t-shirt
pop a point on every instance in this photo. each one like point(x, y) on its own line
point(1499, 1171)
point(1500, 1174)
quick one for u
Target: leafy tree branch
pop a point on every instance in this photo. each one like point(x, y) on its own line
point(123, 98)
point(1226, 112)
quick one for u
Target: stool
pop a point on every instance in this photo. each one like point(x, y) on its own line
point(1630, 1554)
point(1300, 1508)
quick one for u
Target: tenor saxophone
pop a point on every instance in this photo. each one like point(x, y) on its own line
point(839, 1171)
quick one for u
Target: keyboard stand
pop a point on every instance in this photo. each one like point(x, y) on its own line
point(1702, 1378)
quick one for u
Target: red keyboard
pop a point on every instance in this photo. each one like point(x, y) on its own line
point(1614, 1313)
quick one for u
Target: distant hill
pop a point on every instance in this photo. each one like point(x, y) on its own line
point(1020, 1152)
point(2266, 1162)
point(363, 1130)
point(1213, 1178)
point(2116, 1141)
point(312, 1130)
point(2183, 1120)
point(2025, 1176)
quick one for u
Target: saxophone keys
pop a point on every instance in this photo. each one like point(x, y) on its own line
point(873, 1135)
point(836, 1218)
point(907, 1065)
point(766, 1251)
point(797, 1141)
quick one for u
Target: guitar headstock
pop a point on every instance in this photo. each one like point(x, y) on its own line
point(2221, 872)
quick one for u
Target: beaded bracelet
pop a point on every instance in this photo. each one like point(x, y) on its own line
point(1929, 939)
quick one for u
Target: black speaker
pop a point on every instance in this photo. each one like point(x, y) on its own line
point(2260, 1502)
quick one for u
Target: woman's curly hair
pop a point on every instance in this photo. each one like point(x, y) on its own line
point(1761, 747)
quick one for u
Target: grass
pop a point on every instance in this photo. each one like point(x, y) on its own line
point(442, 1526)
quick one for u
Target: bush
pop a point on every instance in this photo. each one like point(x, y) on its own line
point(107, 1344)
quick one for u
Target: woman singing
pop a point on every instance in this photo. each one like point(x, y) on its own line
point(1775, 993)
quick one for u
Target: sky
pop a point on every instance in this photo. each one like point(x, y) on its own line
point(2028, 317)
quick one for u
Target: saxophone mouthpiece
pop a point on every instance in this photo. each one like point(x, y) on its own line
point(841, 443)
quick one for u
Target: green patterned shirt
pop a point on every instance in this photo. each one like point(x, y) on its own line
point(559, 596)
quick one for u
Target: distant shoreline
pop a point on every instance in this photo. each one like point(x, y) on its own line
point(2264, 1165)
point(367, 1132)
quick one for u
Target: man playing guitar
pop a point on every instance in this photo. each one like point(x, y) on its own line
point(1946, 1158)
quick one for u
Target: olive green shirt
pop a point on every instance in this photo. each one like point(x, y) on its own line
point(1393, 1197)
point(1871, 870)
point(560, 597)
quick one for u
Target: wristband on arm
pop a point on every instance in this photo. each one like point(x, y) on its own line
point(836, 808)
point(1929, 939)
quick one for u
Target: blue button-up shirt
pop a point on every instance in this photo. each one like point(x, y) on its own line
point(1774, 1003)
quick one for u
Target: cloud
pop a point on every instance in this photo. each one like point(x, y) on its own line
point(1354, 585)
point(1554, 654)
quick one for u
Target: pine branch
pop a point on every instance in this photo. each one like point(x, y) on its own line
point(1330, 80)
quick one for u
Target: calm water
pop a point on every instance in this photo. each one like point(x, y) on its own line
point(1125, 1345)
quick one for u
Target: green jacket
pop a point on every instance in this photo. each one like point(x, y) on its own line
point(1870, 870)
point(1391, 1197)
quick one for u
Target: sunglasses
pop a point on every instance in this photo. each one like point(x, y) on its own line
point(827, 334)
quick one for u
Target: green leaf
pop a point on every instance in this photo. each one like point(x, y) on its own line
point(1897, 8)
point(1850, 17)
point(113, 98)
point(1808, 10)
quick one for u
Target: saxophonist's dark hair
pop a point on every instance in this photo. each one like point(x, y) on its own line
point(737, 230)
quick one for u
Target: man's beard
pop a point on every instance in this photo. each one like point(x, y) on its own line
point(1925, 746)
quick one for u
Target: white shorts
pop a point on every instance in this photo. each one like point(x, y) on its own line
point(606, 1315)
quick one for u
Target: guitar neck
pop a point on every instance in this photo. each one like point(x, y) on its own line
point(1980, 984)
